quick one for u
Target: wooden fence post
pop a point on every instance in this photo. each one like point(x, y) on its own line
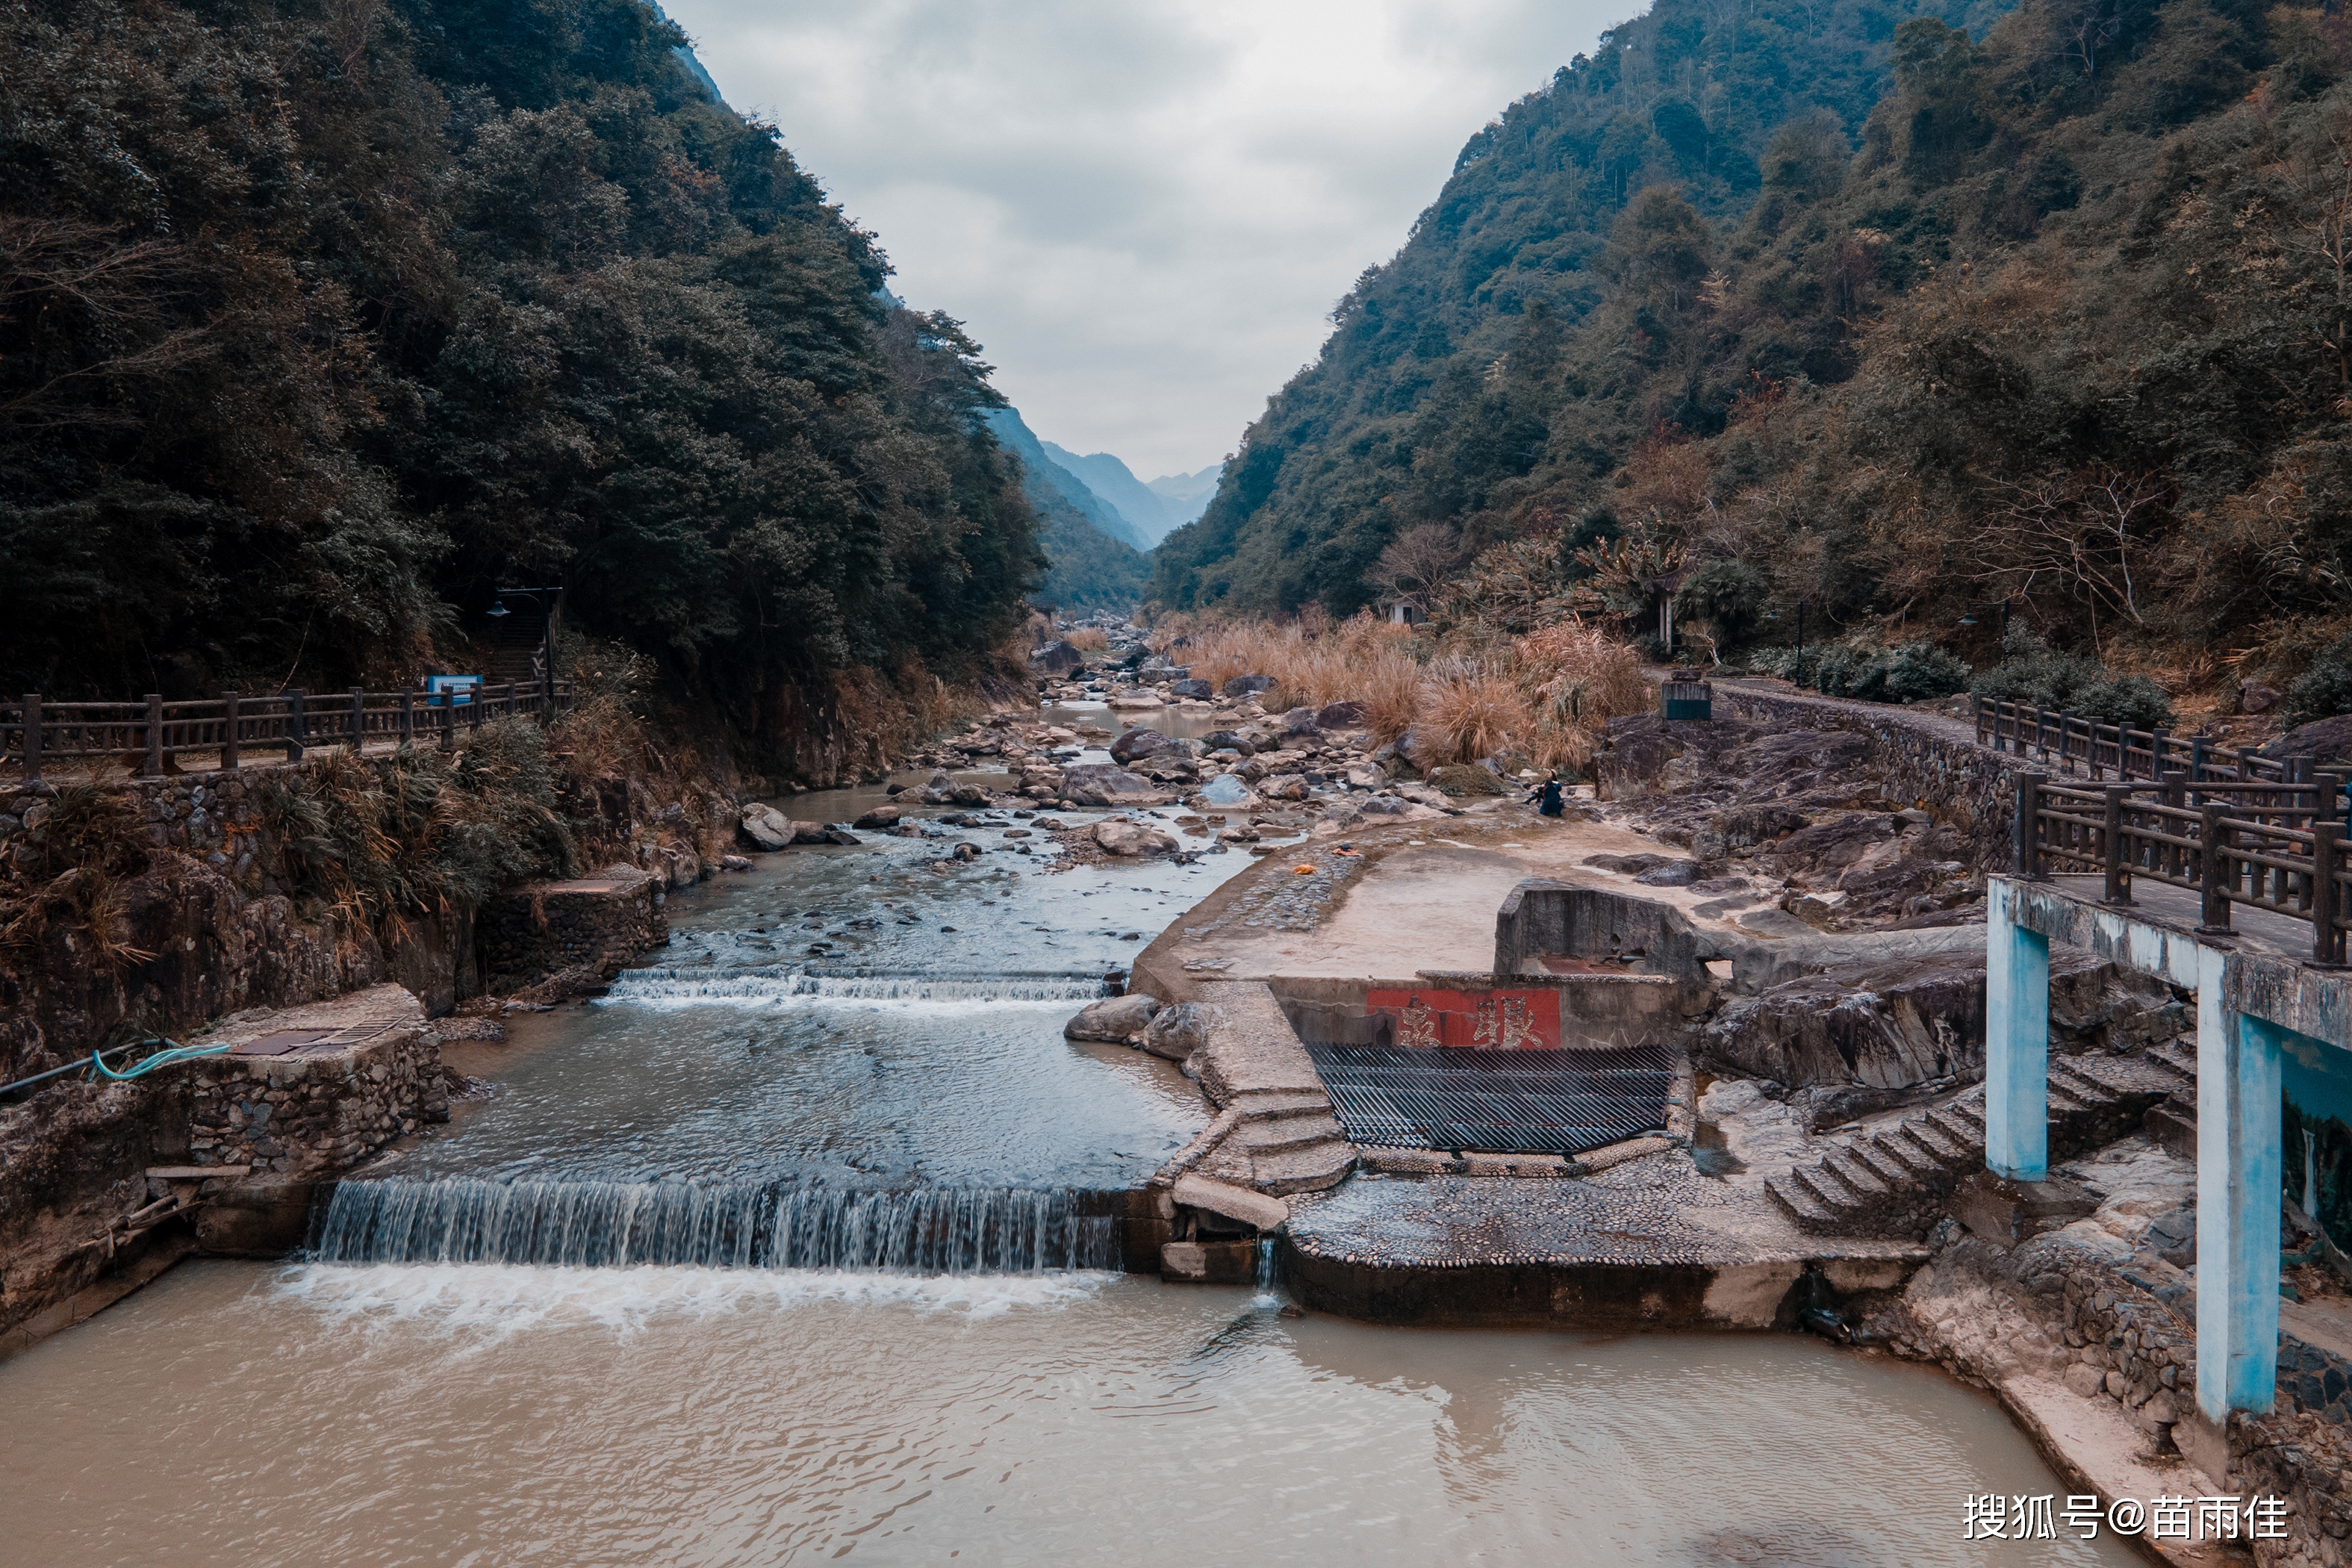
point(445, 716)
point(229, 731)
point(408, 717)
point(32, 737)
point(2112, 843)
point(1976, 714)
point(359, 722)
point(155, 734)
point(2066, 737)
point(2029, 825)
point(2176, 795)
point(2326, 851)
point(2197, 744)
point(2213, 838)
point(296, 736)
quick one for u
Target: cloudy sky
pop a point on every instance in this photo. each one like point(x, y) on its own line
point(1144, 209)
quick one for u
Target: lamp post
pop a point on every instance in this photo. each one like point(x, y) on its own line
point(1968, 616)
point(547, 599)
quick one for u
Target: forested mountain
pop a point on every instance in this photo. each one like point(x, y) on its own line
point(1046, 476)
point(1087, 569)
point(1117, 485)
point(1186, 496)
point(316, 324)
point(1891, 312)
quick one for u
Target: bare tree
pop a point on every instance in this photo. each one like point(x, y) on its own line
point(2088, 529)
point(1416, 563)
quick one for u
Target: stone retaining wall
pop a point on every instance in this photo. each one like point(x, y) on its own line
point(374, 1075)
point(1928, 759)
point(543, 929)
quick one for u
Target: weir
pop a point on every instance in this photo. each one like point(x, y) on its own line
point(945, 1230)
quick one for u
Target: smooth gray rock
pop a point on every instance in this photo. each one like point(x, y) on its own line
point(1137, 743)
point(1177, 1032)
point(1107, 783)
point(763, 827)
point(1132, 838)
point(1248, 685)
point(1119, 1019)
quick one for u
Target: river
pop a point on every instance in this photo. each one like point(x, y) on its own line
point(774, 1256)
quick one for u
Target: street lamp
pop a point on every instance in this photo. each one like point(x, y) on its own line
point(1968, 616)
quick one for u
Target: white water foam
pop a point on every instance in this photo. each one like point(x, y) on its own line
point(507, 1299)
point(780, 987)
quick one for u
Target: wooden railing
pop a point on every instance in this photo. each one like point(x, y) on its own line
point(2067, 739)
point(2275, 846)
point(152, 736)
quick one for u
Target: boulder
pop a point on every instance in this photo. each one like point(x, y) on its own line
point(763, 827)
point(1191, 690)
point(1107, 783)
point(837, 834)
point(1121, 838)
point(2328, 740)
point(1177, 1032)
point(1363, 775)
point(1343, 716)
point(2254, 697)
point(810, 833)
point(1248, 685)
point(1836, 841)
point(1673, 874)
point(1282, 786)
point(1119, 1019)
point(1057, 658)
point(881, 816)
point(1228, 740)
point(1468, 780)
point(1298, 724)
point(1137, 743)
point(1226, 792)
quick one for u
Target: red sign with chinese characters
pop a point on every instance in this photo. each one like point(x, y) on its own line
point(1495, 1020)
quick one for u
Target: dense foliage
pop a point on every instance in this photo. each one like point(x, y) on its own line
point(319, 321)
point(2050, 309)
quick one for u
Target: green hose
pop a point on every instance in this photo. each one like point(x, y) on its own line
point(166, 1058)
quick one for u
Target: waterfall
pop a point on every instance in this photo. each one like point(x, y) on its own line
point(939, 1230)
point(674, 984)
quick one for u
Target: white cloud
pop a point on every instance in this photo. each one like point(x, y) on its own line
point(1144, 210)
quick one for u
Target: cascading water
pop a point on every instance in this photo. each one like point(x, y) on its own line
point(1265, 1291)
point(655, 986)
point(942, 1230)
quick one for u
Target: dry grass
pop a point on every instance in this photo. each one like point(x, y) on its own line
point(1470, 708)
point(1576, 680)
point(1088, 640)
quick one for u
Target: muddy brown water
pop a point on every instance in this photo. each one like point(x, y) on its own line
point(420, 1411)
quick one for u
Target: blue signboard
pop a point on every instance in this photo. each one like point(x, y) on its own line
point(456, 690)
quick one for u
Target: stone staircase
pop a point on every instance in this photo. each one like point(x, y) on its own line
point(1894, 1179)
point(1281, 1142)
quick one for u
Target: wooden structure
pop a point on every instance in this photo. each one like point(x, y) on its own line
point(155, 734)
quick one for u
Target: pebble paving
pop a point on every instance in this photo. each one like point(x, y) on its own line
point(1289, 901)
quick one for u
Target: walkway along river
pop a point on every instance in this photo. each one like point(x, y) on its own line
point(780, 1256)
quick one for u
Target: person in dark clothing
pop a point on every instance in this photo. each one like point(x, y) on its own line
point(1548, 794)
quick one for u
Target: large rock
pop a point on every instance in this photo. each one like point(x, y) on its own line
point(1118, 838)
point(1901, 1023)
point(1119, 1019)
point(1056, 658)
point(2328, 740)
point(1228, 740)
point(881, 816)
point(1343, 716)
point(1248, 685)
point(1193, 690)
point(1137, 743)
point(1226, 792)
point(1107, 783)
point(762, 827)
point(1836, 841)
point(1177, 1032)
point(1297, 724)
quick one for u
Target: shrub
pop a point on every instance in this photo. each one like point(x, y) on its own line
point(2033, 670)
point(1470, 710)
point(2325, 689)
point(1726, 594)
point(1910, 673)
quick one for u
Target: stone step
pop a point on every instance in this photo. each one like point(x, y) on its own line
point(1967, 1136)
point(1280, 1102)
point(2081, 1085)
point(1894, 1174)
point(1799, 1207)
point(1308, 1170)
point(1938, 1145)
point(1824, 1187)
point(1854, 1175)
point(2175, 1058)
point(1970, 1113)
point(1272, 1135)
point(2064, 1101)
point(1894, 1151)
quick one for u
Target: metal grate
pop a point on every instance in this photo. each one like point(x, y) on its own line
point(1561, 1102)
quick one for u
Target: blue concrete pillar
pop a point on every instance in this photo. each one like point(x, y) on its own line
point(2017, 1040)
point(2238, 1087)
